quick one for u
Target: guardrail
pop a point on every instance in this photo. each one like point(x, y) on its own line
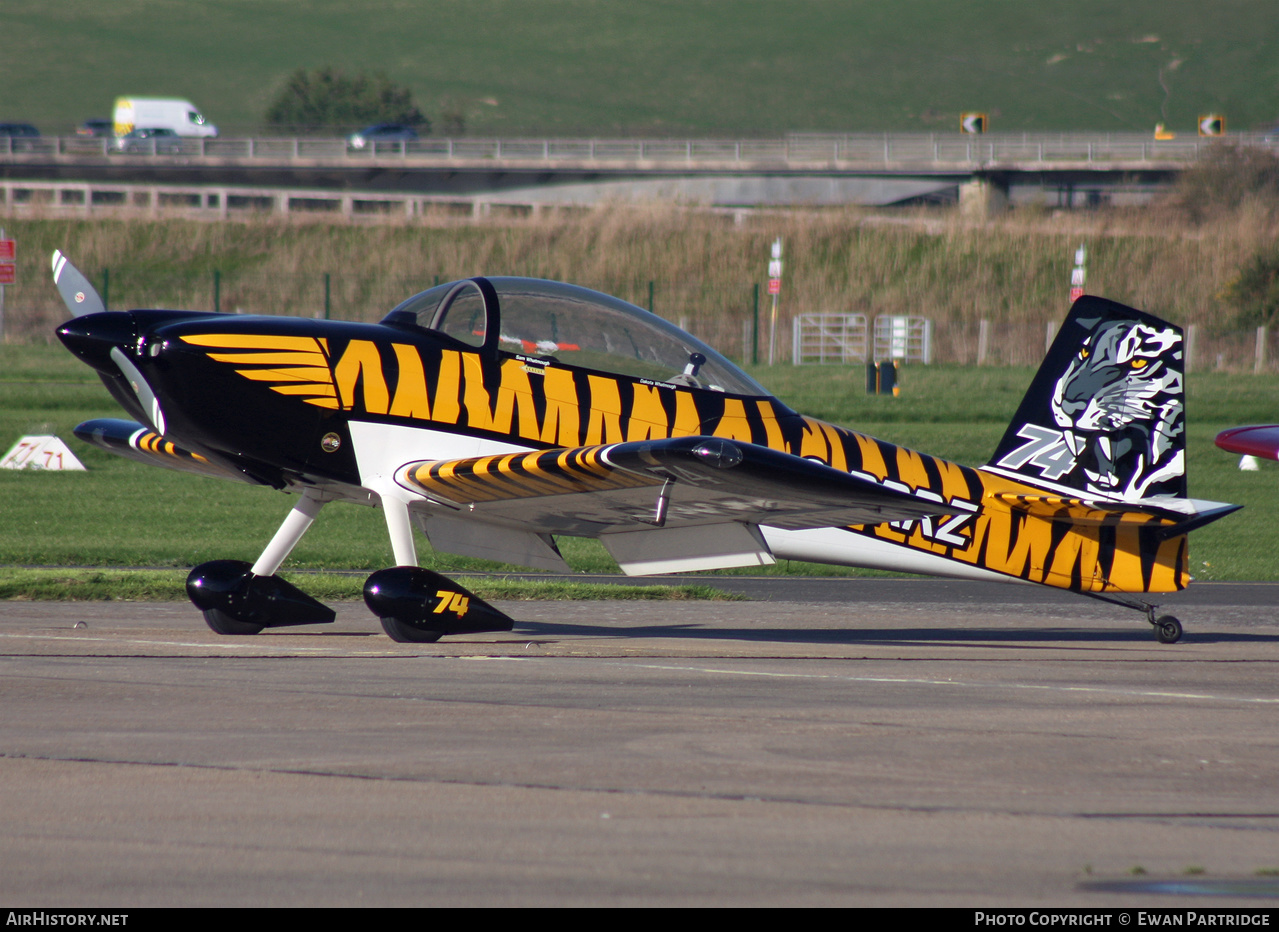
point(888, 149)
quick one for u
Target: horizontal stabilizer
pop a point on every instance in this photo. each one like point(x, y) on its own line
point(1168, 516)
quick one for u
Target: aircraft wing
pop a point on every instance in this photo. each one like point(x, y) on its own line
point(1260, 440)
point(705, 480)
point(662, 505)
point(137, 442)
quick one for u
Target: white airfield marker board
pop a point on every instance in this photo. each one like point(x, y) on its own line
point(40, 451)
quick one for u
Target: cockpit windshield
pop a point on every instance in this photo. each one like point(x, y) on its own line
point(573, 326)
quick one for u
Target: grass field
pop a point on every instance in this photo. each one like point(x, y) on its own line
point(122, 513)
point(660, 67)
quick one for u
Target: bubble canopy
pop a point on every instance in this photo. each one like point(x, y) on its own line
point(572, 326)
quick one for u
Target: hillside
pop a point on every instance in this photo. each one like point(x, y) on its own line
point(701, 67)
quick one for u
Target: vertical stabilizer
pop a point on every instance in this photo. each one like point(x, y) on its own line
point(1105, 415)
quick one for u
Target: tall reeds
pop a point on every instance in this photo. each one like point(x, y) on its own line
point(695, 267)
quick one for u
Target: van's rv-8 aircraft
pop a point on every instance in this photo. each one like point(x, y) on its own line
point(496, 414)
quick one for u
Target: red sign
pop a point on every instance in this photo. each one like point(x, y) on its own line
point(774, 286)
point(8, 250)
point(1075, 294)
point(8, 273)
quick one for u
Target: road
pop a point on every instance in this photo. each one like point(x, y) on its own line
point(880, 742)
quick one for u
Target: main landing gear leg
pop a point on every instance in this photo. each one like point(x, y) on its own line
point(296, 523)
point(416, 605)
point(237, 598)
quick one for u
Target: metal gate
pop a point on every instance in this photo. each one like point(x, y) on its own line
point(905, 339)
point(829, 338)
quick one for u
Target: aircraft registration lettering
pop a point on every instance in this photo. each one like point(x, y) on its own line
point(888, 532)
point(922, 537)
point(976, 528)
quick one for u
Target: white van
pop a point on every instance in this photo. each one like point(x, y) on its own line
point(181, 116)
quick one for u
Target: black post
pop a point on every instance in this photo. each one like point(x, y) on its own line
point(217, 292)
point(755, 331)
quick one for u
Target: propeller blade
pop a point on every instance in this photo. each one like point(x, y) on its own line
point(150, 404)
point(77, 294)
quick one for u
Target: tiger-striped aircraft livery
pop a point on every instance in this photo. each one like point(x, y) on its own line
point(497, 414)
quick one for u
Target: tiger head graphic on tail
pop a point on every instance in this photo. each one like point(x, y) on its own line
point(1105, 416)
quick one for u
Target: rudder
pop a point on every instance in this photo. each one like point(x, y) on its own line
point(1105, 414)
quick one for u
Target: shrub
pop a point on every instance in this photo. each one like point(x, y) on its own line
point(1226, 179)
point(1255, 293)
point(328, 98)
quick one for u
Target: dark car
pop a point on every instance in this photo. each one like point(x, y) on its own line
point(382, 132)
point(18, 137)
point(159, 141)
point(96, 128)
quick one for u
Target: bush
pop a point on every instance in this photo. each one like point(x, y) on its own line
point(328, 99)
point(1227, 179)
point(1255, 293)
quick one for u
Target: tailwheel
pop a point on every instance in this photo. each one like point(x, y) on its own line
point(222, 623)
point(406, 633)
point(1167, 629)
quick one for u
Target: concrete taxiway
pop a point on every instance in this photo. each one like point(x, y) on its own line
point(882, 742)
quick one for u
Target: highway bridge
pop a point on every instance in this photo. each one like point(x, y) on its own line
point(985, 172)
